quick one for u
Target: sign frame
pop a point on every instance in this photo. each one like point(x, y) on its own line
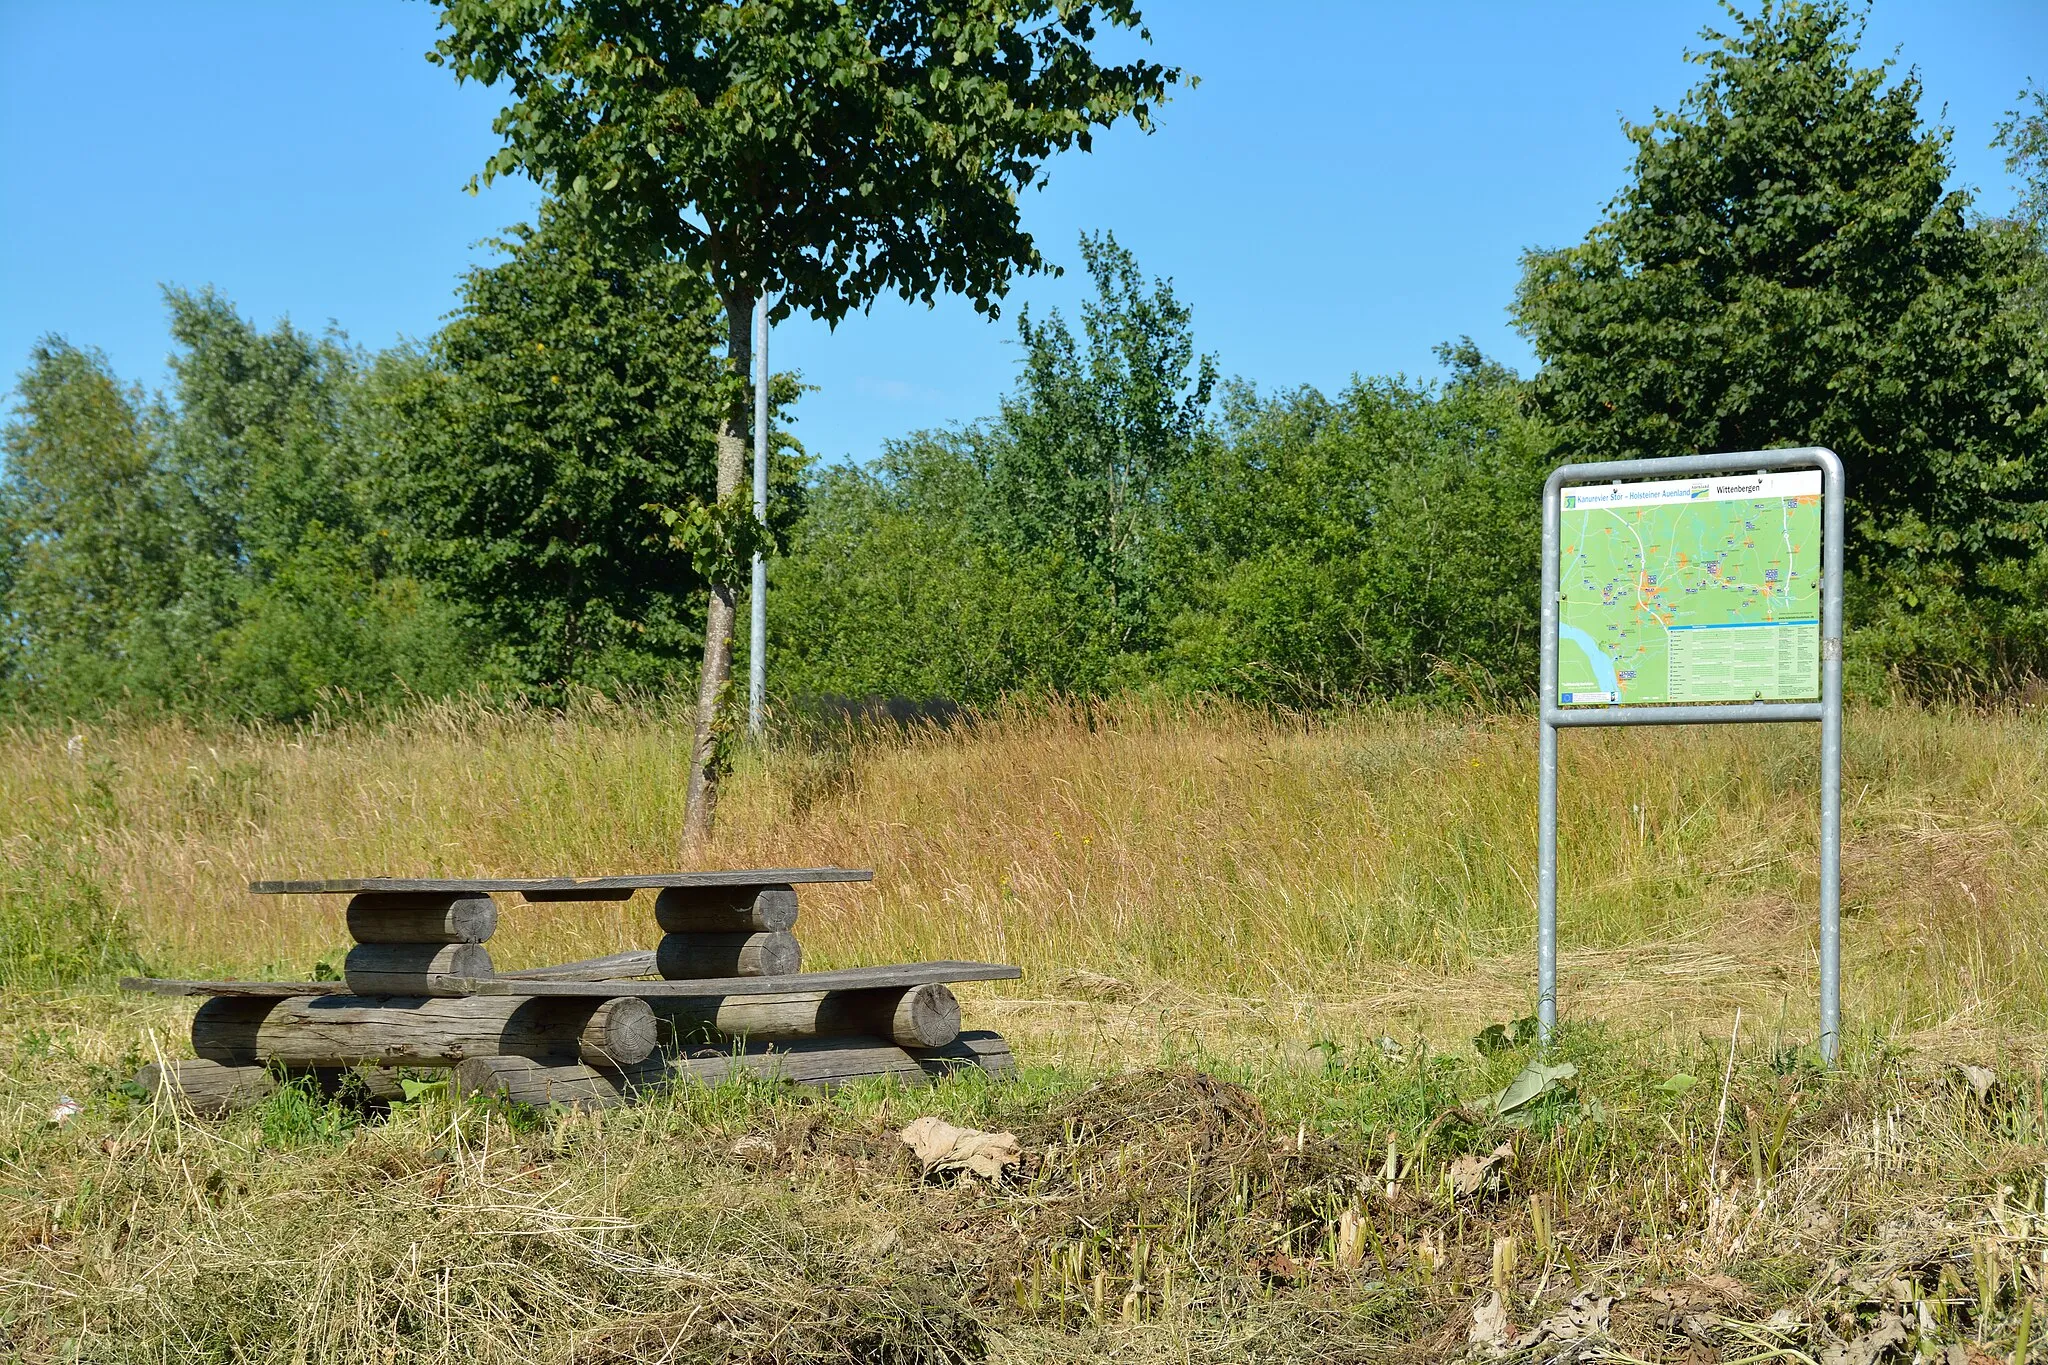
point(1827, 711)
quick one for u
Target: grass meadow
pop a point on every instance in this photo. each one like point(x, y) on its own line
point(1257, 949)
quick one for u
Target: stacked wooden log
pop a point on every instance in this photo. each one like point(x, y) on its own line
point(419, 990)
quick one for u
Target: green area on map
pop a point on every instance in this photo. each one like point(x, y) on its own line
point(1714, 599)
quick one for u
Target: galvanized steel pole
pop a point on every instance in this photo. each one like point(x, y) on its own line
point(1546, 800)
point(757, 643)
point(1834, 494)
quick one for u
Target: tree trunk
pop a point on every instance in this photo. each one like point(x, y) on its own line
point(734, 431)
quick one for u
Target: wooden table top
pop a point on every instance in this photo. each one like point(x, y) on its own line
point(564, 888)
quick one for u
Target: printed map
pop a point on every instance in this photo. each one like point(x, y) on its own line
point(1690, 590)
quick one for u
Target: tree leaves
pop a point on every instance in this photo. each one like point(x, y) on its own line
point(815, 151)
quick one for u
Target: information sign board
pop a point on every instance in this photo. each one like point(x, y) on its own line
point(1690, 590)
point(1694, 590)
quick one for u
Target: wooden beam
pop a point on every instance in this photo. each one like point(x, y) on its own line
point(850, 979)
point(616, 967)
point(767, 876)
point(259, 990)
point(975, 1049)
point(695, 956)
point(209, 1089)
point(908, 1016)
point(725, 909)
point(413, 917)
point(533, 983)
point(824, 1063)
point(343, 1031)
point(414, 968)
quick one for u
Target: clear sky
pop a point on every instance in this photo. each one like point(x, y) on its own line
point(1350, 184)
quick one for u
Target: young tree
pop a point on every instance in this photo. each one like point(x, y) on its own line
point(1785, 266)
point(93, 555)
point(811, 151)
point(1097, 432)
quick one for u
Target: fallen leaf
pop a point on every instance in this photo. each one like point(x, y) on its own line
point(1711, 1290)
point(1470, 1174)
point(1879, 1342)
point(753, 1145)
point(1536, 1080)
point(1491, 1335)
point(1982, 1080)
point(939, 1146)
point(1585, 1316)
point(1969, 1353)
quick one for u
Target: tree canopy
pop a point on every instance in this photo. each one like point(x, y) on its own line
point(1787, 266)
point(817, 151)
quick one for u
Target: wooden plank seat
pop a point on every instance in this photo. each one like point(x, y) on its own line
point(563, 888)
point(846, 979)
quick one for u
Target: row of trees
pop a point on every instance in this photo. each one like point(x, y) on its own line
point(297, 524)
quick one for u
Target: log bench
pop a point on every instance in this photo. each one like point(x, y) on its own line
point(720, 995)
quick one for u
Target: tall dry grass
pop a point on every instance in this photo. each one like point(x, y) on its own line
point(1183, 864)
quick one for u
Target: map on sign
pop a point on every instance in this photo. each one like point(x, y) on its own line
point(1690, 590)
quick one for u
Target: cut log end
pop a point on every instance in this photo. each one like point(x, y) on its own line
point(925, 1016)
point(620, 1033)
point(726, 909)
point(419, 917)
point(693, 956)
point(428, 969)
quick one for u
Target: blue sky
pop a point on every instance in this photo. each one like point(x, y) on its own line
point(1350, 184)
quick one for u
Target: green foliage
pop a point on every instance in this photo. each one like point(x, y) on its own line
point(721, 538)
point(1096, 436)
point(1102, 533)
point(1018, 555)
point(895, 586)
point(2023, 133)
point(568, 393)
point(1377, 545)
point(221, 552)
point(92, 550)
point(1785, 267)
point(819, 151)
point(299, 1114)
point(326, 629)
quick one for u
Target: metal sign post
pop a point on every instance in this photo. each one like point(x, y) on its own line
point(757, 639)
point(1610, 708)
